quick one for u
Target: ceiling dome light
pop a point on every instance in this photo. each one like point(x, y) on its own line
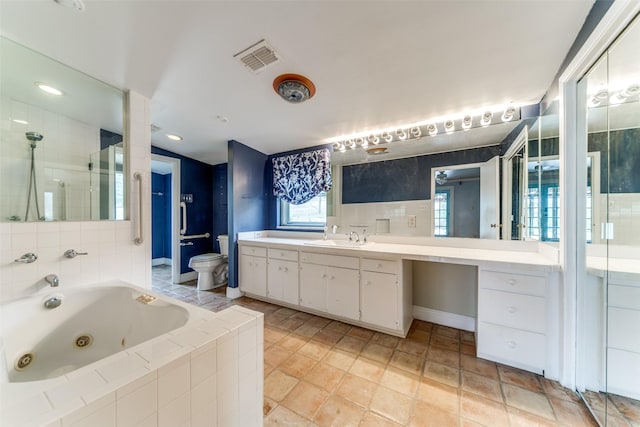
point(508, 114)
point(174, 137)
point(49, 89)
point(401, 134)
point(373, 139)
point(294, 88)
point(449, 126)
point(486, 119)
point(617, 98)
point(416, 132)
point(467, 121)
point(387, 136)
point(432, 129)
point(441, 178)
point(631, 90)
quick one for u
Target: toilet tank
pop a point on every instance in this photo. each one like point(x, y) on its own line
point(223, 239)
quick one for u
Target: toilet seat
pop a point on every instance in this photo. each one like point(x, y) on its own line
point(205, 257)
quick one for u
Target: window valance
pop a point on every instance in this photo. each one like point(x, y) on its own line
point(298, 178)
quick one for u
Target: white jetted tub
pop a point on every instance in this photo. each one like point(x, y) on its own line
point(114, 354)
point(89, 324)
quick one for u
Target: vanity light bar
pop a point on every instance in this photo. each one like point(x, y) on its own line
point(431, 128)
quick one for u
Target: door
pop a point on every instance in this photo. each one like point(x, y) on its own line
point(343, 292)
point(313, 286)
point(282, 281)
point(253, 275)
point(489, 199)
point(380, 299)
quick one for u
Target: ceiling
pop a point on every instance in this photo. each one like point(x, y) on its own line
point(374, 64)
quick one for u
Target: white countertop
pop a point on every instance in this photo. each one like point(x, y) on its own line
point(419, 252)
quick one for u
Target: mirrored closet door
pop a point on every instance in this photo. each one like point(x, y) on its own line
point(608, 365)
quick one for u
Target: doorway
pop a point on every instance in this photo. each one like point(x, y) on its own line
point(165, 213)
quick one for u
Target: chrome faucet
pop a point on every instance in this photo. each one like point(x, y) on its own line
point(334, 228)
point(324, 233)
point(52, 280)
point(53, 302)
point(351, 233)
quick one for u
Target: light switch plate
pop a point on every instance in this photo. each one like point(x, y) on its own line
point(411, 221)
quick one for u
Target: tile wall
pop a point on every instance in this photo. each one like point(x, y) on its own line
point(376, 216)
point(112, 253)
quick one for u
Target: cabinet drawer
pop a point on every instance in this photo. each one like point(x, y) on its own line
point(623, 329)
point(624, 296)
point(520, 283)
point(380, 265)
point(512, 346)
point(282, 254)
point(330, 260)
point(514, 310)
point(253, 250)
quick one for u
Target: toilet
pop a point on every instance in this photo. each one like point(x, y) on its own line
point(212, 268)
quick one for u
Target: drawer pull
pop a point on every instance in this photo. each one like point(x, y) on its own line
point(332, 277)
point(279, 268)
point(286, 269)
point(281, 253)
point(324, 276)
point(512, 344)
point(512, 282)
point(511, 309)
point(379, 265)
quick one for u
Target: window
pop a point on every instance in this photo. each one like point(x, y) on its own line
point(310, 214)
point(441, 210)
point(543, 213)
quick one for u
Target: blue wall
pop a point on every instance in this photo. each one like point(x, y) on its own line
point(403, 179)
point(220, 203)
point(195, 178)
point(247, 198)
point(160, 216)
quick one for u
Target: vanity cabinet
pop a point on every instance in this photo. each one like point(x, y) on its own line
point(512, 319)
point(380, 293)
point(623, 337)
point(330, 283)
point(252, 271)
point(282, 275)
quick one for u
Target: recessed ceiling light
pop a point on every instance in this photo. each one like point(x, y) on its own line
point(174, 137)
point(22, 122)
point(49, 89)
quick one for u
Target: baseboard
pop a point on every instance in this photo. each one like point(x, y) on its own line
point(187, 277)
point(233, 293)
point(452, 320)
point(160, 261)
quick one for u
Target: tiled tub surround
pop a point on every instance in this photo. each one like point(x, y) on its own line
point(372, 286)
point(205, 373)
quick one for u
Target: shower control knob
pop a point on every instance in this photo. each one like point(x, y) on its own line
point(27, 258)
point(72, 253)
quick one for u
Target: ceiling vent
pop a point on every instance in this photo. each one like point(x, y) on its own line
point(258, 56)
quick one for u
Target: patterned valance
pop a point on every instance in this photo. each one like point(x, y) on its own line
point(298, 178)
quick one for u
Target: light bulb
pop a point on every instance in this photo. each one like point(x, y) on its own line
point(508, 114)
point(449, 126)
point(401, 134)
point(467, 121)
point(387, 136)
point(373, 139)
point(416, 132)
point(486, 118)
point(432, 129)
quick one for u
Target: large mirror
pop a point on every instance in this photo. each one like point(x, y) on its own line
point(63, 152)
point(608, 292)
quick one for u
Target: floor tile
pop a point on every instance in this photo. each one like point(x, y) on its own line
point(385, 340)
point(328, 336)
point(292, 342)
point(367, 369)
point(324, 376)
point(351, 344)
point(439, 395)
point(392, 405)
point(315, 350)
point(377, 352)
point(413, 347)
point(529, 401)
point(298, 365)
point(282, 416)
point(518, 418)
point(278, 384)
point(442, 373)
point(305, 399)
point(480, 366)
point(275, 355)
point(482, 386)
point(445, 357)
point(357, 389)
point(339, 358)
point(337, 411)
point(407, 362)
point(361, 333)
point(425, 415)
point(571, 414)
point(520, 378)
point(370, 419)
point(630, 408)
point(484, 411)
point(400, 381)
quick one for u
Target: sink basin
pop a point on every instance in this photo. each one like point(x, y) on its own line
point(338, 243)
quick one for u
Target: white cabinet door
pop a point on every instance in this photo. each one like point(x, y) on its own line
point(282, 283)
point(253, 275)
point(343, 292)
point(313, 286)
point(379, 298)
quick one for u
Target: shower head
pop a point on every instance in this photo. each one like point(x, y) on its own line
point(34, 136)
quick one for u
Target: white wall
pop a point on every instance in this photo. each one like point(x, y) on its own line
point(112, 253)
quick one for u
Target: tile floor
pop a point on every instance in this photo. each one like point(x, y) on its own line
point(320, 372)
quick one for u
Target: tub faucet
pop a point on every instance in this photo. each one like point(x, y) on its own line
point(52, 280)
